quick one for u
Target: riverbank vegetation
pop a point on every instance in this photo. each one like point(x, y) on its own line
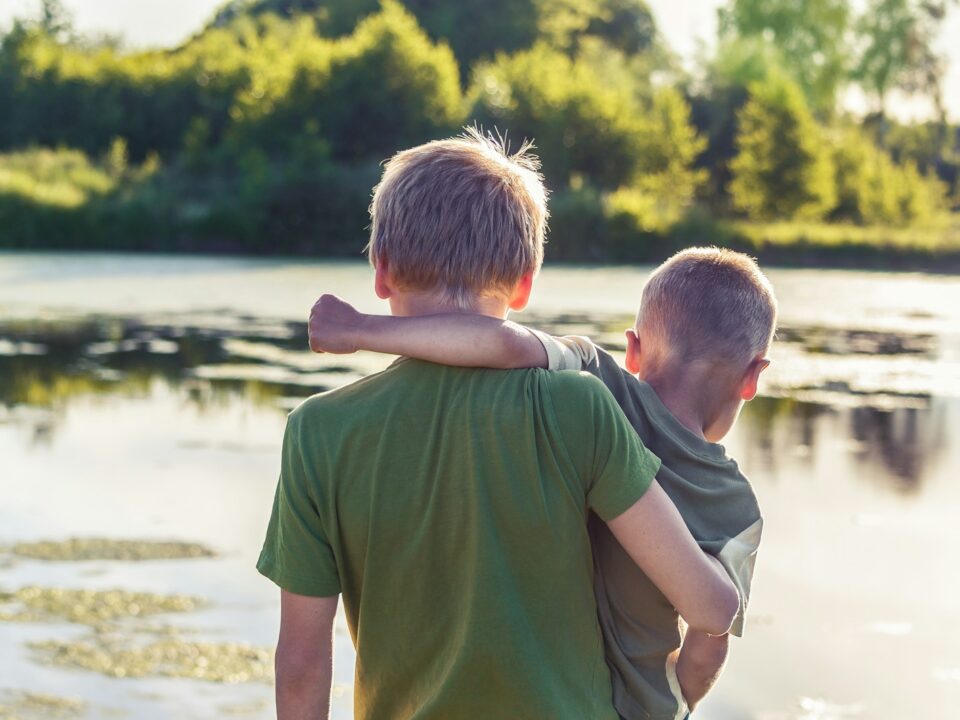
point(263, 133)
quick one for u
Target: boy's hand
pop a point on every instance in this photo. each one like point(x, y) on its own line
point(334, 326)
point(700, 661)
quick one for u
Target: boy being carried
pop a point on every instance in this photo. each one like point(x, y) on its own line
point(706, 320)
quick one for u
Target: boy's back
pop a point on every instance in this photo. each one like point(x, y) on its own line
point(641, 629)
point(449, 507)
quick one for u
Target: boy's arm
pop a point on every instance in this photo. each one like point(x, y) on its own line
point(701, 657)
point(700, 661)
point(655, 536)
point(461, 339)
point(304, 659)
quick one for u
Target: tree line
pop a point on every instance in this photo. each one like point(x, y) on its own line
point(264, 131)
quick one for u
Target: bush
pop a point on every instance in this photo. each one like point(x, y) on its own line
point(782, 170)
point(366, 96)
point(666, 180)
point(57, 198)
point(389, 88)
point(872, 190)
point(580, 126)
point(65, 94)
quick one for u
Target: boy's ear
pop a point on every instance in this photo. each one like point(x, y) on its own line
point(521, 293)
point(632, 360)
point(383, 281)
point(751, 378)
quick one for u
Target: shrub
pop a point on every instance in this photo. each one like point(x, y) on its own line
point(580, 126)
point(783, 169)
point(873, 190)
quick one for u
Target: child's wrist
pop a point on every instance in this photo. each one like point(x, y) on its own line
point(359, 333)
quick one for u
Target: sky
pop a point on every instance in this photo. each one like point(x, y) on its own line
point(686, 24)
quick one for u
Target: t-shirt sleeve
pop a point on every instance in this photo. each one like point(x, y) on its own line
point(571, 352)
point(606, 452)
point(297, 554)
point(738, 557)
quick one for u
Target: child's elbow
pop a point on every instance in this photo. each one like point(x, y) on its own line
point(519, 349)
point(724, 609)
point(717, 615)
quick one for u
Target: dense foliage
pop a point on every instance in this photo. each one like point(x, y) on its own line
point(265, 130)
point(783, 168)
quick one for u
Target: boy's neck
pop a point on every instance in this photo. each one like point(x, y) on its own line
point(690, 394)
point(410, 303)
point(688, 413)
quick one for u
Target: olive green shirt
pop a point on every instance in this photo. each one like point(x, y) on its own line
point(640, 627)
point(449, 506)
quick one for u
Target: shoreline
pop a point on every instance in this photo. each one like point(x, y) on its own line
point(798, 255)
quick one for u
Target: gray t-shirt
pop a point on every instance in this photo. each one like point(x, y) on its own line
point(640, 627)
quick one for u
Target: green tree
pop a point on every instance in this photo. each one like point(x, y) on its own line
point(581, 127)
point(478, 29)
point(666, 178)
point(811, 37)
point(782, 169)
point(896, 40)
point(390, 87)
point(55, 19)
point(627, 25)
point(736, 64)
point(474, 29)
point(384, 87)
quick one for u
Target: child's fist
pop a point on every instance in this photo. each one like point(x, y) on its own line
point(334, 326)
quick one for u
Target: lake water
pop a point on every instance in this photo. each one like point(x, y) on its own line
point(143, 398)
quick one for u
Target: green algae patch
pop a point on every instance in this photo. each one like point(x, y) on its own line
point(169, 657)
point(81, 549)
point(89, 607)
point(34, 706)
point(123, 642)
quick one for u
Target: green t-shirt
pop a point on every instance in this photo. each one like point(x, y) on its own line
point(449, 506)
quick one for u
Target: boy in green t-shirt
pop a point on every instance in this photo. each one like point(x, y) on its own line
point(449, 506)
point(706, 320)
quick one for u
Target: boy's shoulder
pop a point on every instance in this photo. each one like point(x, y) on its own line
point(571, 389)
point(567, 352)
point(408, 381)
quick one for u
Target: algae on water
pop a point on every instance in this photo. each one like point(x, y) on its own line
point(169, 657)
point(19, 705)
point(88, 607)
point(121, 642)
point(77, 549)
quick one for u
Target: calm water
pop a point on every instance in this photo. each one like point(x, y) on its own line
point(144, 398)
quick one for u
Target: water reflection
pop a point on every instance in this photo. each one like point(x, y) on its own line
point(125, 357)
point(893, 447)
point(211, 360)
point(845, 341)
point(904, 441)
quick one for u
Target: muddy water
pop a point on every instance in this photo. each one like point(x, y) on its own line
point(141, 408)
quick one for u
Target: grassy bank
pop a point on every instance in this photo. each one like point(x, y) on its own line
point(932, 248)
point(65, 200)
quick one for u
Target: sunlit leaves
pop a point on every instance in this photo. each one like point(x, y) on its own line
point(782, 169)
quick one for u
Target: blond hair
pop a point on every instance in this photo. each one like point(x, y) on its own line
point(710, 304)
point(462, 216)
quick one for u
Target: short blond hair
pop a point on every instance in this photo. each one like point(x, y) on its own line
point(708, 303)
point(464, 217)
